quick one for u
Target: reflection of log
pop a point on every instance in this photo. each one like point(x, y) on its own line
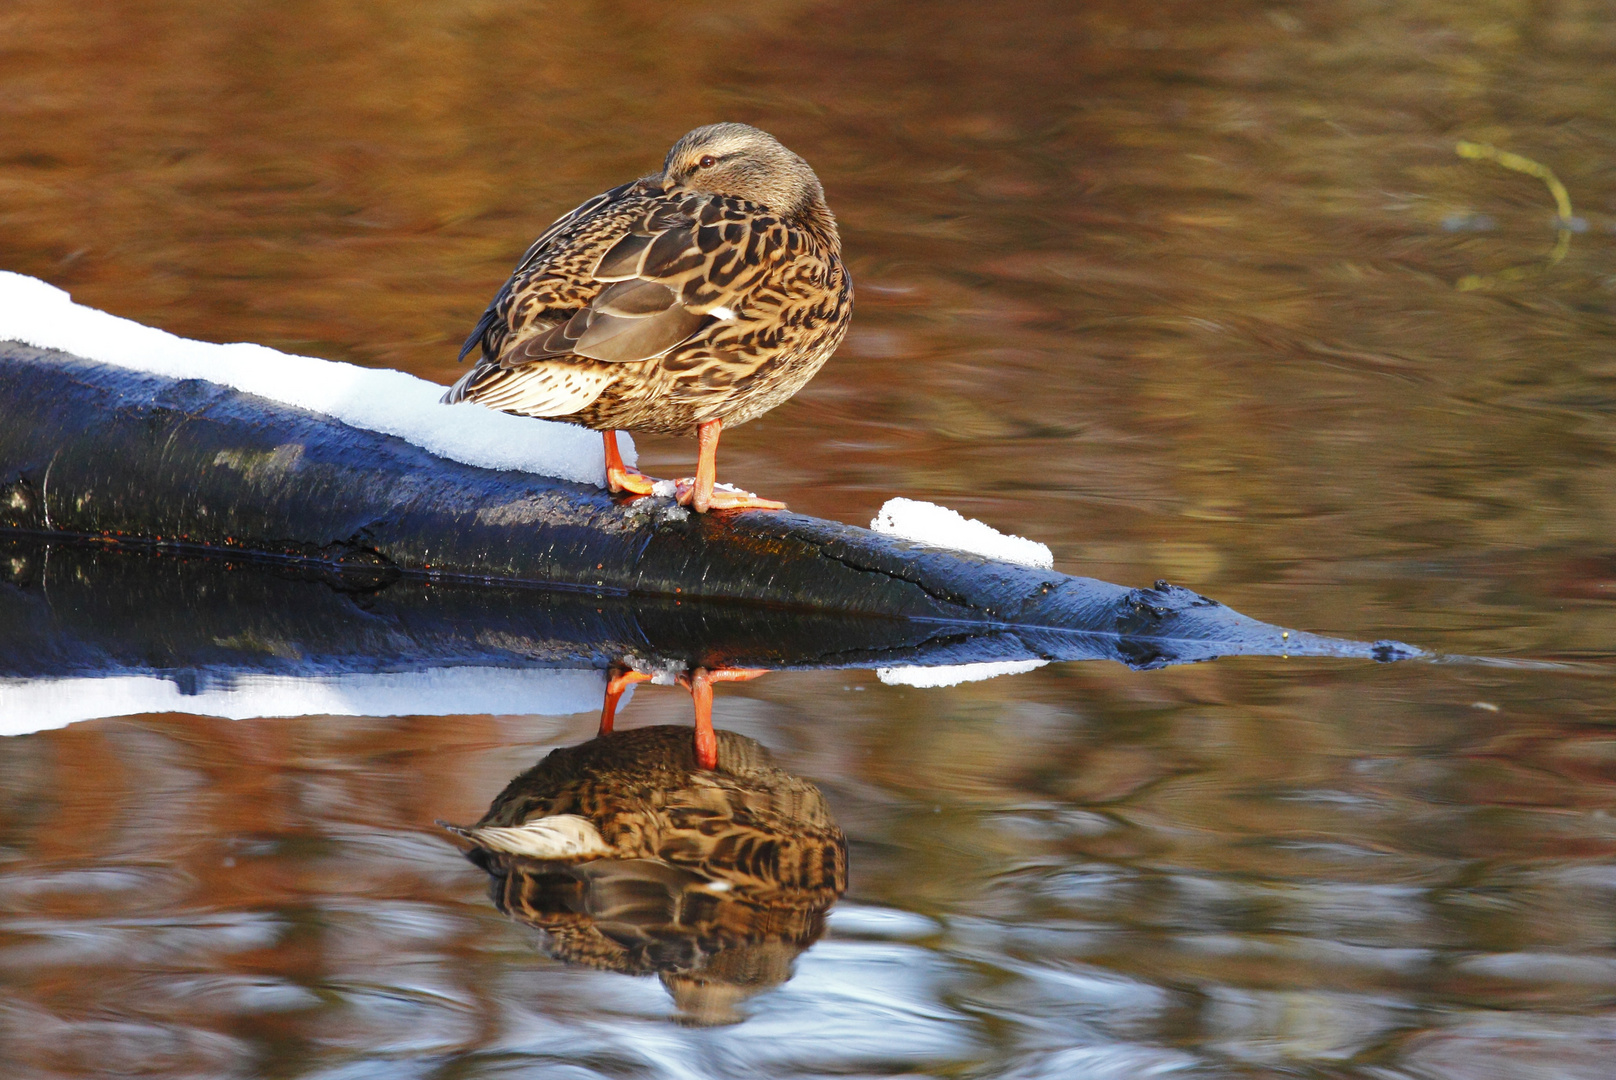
point(98, 453)
point(713, 880)
point(68, 609)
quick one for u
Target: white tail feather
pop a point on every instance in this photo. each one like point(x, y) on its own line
point(541, 389)
point(560, 836)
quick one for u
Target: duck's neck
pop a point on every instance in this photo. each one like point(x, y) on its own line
point(815, 218)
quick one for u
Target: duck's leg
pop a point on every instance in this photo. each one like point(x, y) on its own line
point(619, 680)
point(698, 494)
point(700, 682)
point(620, 477)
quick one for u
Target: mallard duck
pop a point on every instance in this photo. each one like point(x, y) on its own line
point(693, 299)
point(632, 859)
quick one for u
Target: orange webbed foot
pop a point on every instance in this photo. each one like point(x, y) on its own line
point(630, 480)
point(702, 493)
point(620, 477)
point(721, 498)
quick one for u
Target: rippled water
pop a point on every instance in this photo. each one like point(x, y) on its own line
point(1194, 291)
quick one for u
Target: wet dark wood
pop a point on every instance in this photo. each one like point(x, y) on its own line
point(99, 455)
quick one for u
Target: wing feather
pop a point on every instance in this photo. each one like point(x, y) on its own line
point(498, 307)
point(662, 275)
point(539, 389)
point(634, 298)
point(624, 258)
point(626, 341)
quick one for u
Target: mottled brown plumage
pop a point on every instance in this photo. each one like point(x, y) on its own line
point(706, 294)
point(713, 879)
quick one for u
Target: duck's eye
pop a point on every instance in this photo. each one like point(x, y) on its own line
point(707, 161)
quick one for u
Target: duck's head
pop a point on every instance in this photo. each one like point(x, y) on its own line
point(743, 162)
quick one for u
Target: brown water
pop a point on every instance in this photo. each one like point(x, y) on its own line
point(1185, 290)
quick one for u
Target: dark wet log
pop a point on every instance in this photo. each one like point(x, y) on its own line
point(94, 454)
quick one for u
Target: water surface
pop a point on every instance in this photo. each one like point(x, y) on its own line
point(1173, 288)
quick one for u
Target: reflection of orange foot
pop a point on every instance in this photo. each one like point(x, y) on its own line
point(700, 683)
point(620, 679)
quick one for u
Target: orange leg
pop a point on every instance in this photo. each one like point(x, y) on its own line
point(620, 477)
point(698, 494)
point(621, 679)
point(700, 683)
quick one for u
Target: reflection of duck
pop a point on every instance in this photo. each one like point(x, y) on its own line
point(632, 859)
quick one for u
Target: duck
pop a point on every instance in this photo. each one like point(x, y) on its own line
point(631, 858)
point(685, 302)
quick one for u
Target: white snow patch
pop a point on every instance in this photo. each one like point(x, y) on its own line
point(390, 402)
point(928, 523)
point(28, 705)
point(928, 678)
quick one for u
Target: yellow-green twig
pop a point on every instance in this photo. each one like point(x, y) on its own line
point(1562, 205)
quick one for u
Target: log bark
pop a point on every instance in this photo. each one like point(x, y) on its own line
point(94, 456)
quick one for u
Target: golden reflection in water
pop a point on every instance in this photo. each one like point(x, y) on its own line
point(631, 859)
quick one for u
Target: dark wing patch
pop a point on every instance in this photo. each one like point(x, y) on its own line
point(634, 298)
point(623, 259)
point(629, 340)
point(632, 320)
point(484, 324)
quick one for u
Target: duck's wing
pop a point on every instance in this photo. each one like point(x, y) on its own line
point(681, 264)
point(626, 281)
point(500, 305)
point(790, 857)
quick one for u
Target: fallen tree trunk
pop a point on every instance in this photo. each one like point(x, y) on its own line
point(92, 453)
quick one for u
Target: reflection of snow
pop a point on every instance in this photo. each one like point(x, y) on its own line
point(38, 704)
point(390, 402)
point(928, 677)
point(928, 523)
